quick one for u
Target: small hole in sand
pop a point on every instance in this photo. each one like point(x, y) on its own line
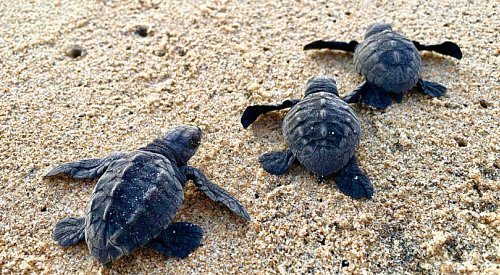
point(43, 209)
point(74, 52)
point(485, 104)
point(180, 51)
point(461, 141)
point(159, 53)
point(345, 263)
point(141, 30)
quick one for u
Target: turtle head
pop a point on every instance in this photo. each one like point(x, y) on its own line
point(321, 84)
point(184, 140)
point(179, 144)
point(376, 28)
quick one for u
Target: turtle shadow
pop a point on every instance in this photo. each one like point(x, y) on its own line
point(431, 58)
point(129, 264)
point(76, 252)
point(332, 58)
point(267, 126)
point(66, 186)
point(439, 65)
point(78, 249)
point(66, 178)
point(196, 201)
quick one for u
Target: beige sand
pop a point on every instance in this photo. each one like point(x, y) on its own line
point(434, 162)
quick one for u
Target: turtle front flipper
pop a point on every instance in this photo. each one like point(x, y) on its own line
point(85, 169)
point(178, 239)
point(277, 163)
point(353, 182)
point(332, 45)
point(447, 48)
point(214, 192)
point(69, 231)
point(354, 96)
point(431, 88)
point(251, 113)
point(370, 94)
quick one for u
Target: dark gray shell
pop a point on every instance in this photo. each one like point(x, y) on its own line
point(322, 131)
point(134, 200)
point(389, 60)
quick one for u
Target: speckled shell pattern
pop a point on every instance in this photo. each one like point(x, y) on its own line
point(389, 60)
point(133, 201)
point(322, 131)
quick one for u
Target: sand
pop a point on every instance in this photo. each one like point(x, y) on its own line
point(434, 163)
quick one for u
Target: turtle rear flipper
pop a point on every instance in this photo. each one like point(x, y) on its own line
point(85, 169)
point(332, 45)
point(178, 240)
point(215, 192)
point(447, 48)
point(398, 97)
point(253, 112)
point(277, 163)
point(353, 182)
point(371, 95)
point(431, 88)
point(69, 231)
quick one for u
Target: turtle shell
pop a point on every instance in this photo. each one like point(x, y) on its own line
point(389, 60)
point(322, 131)
point(134, 200)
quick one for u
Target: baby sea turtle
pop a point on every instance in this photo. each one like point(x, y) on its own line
point(136, 198)
point(390, 63)
point(322, 133)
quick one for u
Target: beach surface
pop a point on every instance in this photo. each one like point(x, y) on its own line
point(77, 80)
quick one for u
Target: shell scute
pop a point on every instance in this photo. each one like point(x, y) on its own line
point(326, 136)
point(389, 60)
point(134, 200)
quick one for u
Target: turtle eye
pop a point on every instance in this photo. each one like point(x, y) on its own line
point(193, 144)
